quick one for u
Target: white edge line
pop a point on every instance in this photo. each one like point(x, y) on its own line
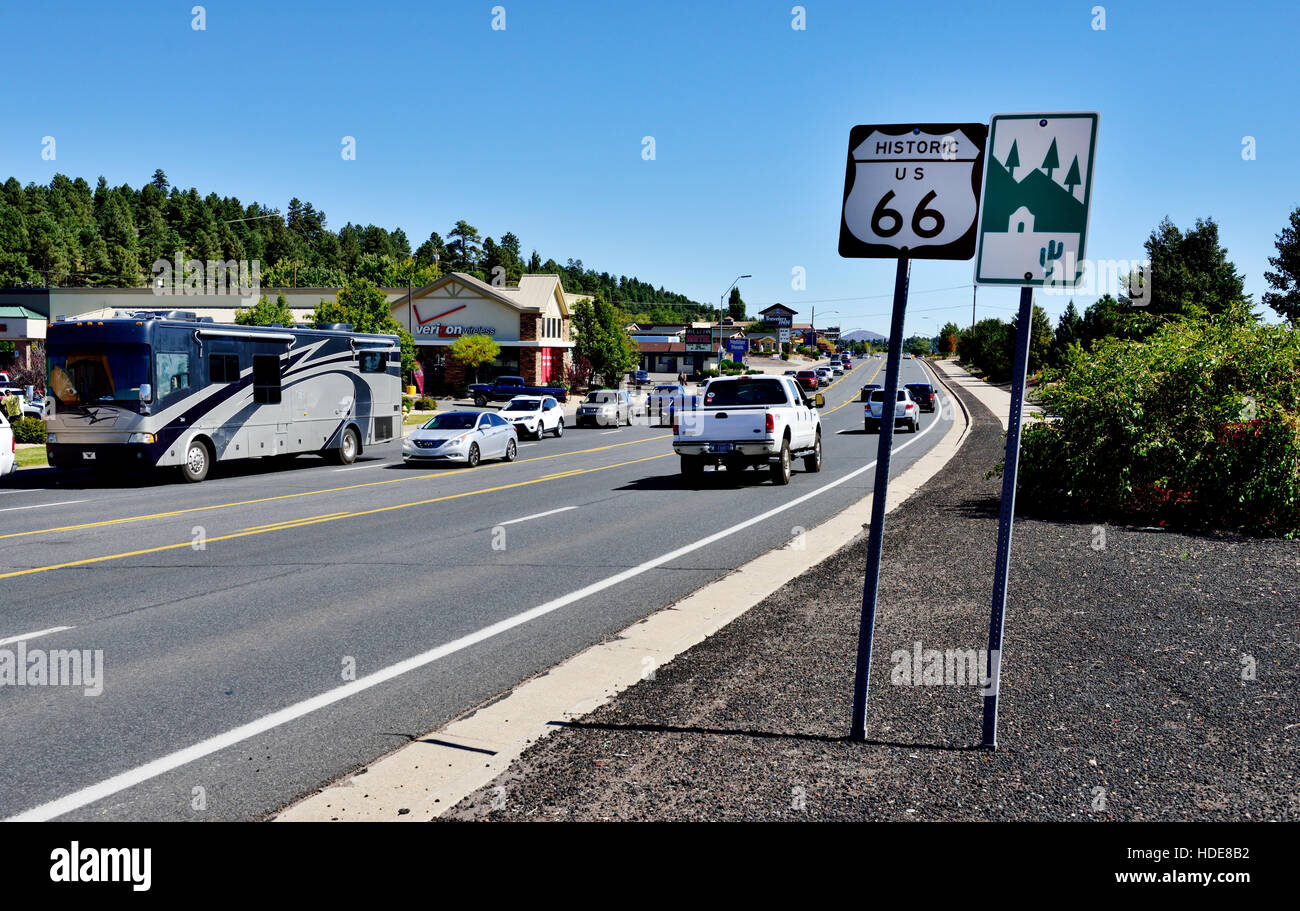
point(164, 764)
point(538, 515)
point(41, 505)
point(43, 632)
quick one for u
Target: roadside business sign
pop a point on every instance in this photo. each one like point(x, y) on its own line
point(1036, 195)
point(912, 189)
point(783, 336)
point(738, 347)
point(699, 341)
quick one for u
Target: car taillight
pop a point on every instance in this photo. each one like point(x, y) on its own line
point(771, 422)
point(908, 407)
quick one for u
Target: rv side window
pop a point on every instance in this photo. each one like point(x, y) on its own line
point(223, 368)
point(172, 372)
point(266, 379)
point(373, 361)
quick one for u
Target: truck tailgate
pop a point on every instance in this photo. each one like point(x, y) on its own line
point(716, 425)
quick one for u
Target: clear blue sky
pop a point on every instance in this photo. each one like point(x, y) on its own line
point(538, 129)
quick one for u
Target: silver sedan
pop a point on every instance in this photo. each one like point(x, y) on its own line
point(462, 436)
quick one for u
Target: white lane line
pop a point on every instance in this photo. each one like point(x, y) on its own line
point(41, 505)
point(359, 467)
point(43, 632)
point(538, 515)
point(24, 490)
point(526, 445)
point(606, 433)
point(164, 764)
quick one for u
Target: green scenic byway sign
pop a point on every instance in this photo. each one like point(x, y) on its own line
point(1034, 208)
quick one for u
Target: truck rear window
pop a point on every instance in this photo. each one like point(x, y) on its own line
point(746, 392)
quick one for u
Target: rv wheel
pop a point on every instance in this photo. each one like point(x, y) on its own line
point(197, 461)
point(346, 454)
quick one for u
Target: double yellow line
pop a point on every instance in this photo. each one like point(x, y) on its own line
point(331, 517)
point(291, 496)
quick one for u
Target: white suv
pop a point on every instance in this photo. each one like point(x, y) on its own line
point(905, 411)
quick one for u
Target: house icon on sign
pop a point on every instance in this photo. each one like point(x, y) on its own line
point(1020, 220)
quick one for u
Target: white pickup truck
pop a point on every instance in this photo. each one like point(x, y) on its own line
point(751, 420)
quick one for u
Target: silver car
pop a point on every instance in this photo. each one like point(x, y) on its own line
point(606, 408)
point(462, 436)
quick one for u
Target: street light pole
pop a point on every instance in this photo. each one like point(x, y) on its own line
point(721, 300)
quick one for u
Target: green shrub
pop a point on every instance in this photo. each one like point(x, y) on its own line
point(1198, 424)
point(29, 430)
point(426, 404)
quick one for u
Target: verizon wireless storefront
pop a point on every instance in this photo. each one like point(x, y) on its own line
point(529, 321)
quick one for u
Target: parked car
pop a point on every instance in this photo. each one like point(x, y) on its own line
point(462, 436)
point(751, 420)
point(605, 407)
point(866, 391)
point(507, 387)
point(8, 448)
point(640, 377)
point(537, 415)
point(808, 379)
point(922, 394)
point(905, 411)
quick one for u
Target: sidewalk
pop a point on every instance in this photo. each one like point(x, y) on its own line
point(1122, 694)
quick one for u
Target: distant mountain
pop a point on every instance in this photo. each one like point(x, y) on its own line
point(862, 335)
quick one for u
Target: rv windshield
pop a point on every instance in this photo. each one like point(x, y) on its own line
point(108, 374)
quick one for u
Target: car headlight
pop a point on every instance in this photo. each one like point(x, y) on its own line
point(51, 438)
point(138, 438)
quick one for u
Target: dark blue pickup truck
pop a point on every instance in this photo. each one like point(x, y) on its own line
point(507, 387)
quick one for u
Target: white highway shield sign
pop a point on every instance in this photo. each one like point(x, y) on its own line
point(1037, 190)
point(912, 189)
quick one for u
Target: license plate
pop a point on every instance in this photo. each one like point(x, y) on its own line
point(720, 447)
point(88, 455)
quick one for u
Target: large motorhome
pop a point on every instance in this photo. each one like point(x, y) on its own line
point(153, 389)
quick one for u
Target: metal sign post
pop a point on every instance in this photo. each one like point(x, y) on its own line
point(1006, 518)
point(911, 191)
point(876, 533)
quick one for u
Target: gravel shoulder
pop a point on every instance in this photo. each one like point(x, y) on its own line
point(1126, 687)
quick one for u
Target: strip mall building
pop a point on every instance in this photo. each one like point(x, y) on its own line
point(530, 322)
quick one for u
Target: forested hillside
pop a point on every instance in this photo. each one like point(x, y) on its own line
point(68, 234)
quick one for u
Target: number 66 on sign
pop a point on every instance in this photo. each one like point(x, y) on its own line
point(912, 190)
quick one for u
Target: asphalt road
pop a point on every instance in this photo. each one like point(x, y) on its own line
point(280, 625)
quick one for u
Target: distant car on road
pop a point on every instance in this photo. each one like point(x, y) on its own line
point(667, 399)
point(836, 368)
point(462, 436)
point(922, 394)
point(905, 411)
point(808, 379)
point(640, 377)
point(605, 408)
point(8, 448)
point(866, 390)
point(536, 414)
point(826, 375)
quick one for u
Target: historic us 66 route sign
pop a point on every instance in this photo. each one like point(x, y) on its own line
point(912, 189)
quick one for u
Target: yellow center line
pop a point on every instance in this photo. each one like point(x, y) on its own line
point(305, 493)
point(321, 519)
point(852, 400)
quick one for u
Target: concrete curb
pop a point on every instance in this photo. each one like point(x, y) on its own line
point(422, 780)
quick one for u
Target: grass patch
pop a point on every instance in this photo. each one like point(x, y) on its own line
point(32, 457)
